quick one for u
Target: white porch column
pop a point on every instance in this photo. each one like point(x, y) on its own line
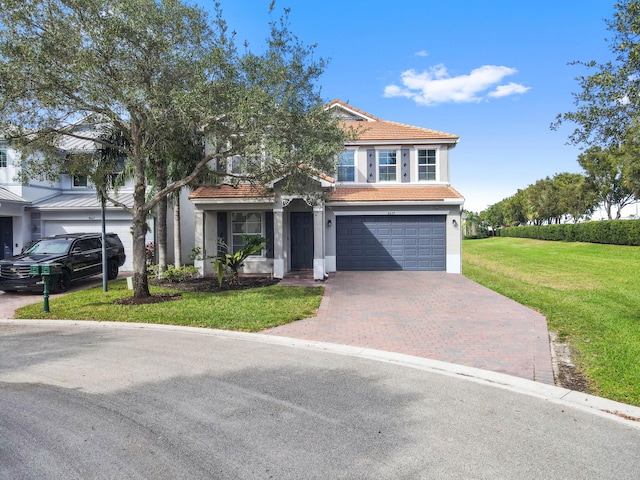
point(318, 242)
point(278, 241)
point(210, 240)
point(206, 239)
point(199, 241)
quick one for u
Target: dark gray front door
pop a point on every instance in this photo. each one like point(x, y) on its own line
point(6, 237)
point(301, 240)
point(394, 242)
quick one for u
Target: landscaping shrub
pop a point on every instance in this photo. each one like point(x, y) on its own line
point(173, 274)
point(614, 232)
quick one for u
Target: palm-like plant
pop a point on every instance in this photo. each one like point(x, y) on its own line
point(231, 263)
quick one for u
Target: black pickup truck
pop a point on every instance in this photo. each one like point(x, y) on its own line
point(80, 255)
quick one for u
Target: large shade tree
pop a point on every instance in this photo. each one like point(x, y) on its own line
point(605, 169)
point(608, 105)
point(141, 67)
point(608, 113)
point(576, 197)
point(516, 209)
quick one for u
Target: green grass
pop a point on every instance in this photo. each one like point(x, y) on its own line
point(590, 294)
point(246, 310)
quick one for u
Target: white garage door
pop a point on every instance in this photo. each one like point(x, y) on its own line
point(121, 227)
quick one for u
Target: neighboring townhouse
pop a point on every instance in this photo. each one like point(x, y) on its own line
point(69, 205)
point(390, 207)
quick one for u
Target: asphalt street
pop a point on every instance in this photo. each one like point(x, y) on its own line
point(83, 400)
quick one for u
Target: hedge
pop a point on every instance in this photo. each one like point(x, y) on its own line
point(616, 232)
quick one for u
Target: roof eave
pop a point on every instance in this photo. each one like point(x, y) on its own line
point(386, 203)
point(233, 200)
point(416, 141)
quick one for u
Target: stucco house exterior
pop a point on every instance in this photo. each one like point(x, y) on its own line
point(391, 206)
point(69, 205)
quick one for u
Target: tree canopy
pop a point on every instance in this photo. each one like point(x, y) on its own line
point(151, 70)
point(605, 170)
point(549, 200)
point(607, 127)
point(608, 104)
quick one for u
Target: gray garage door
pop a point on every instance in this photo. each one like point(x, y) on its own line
point(395, 242)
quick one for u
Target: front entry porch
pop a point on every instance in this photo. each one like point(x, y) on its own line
point(302, 238)
point(294, 230)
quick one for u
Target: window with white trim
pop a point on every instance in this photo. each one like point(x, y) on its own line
point(79, 181)
point(237, 165)
point(245, 223)
point(426, 164)
point(3, 158)
point(346, 166)
point(387, 165)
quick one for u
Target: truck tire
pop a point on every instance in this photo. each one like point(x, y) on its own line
point(61, 283)
point(112, 270)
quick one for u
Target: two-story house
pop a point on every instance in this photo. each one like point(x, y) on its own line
point(390, 207)
point(68, 205)
point(29, 211)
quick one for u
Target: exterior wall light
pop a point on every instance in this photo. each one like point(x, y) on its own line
point(455, 222)
point(329, 223)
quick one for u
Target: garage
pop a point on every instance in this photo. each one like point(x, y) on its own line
point(391, 242)
point(120, 227)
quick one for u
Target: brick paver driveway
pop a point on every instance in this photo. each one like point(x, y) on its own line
point(430, 314)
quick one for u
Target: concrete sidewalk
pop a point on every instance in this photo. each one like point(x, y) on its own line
point(433, 315)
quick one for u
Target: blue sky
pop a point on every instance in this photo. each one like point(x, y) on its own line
point(494, 72)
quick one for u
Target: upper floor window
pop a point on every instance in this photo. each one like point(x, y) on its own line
point(426, 164)
point(237, 164)
point(79, 181)
point(387, 165)
point(3, 158)
point(346, 166)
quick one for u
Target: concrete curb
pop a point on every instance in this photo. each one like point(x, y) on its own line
point(616, 411)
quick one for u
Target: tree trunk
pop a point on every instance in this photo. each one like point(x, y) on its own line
point(139, 225)
point(139, 228)
point(177, 238)
point(161, 231)
point(161, 220)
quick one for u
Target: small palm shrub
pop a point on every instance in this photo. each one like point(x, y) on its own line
point(228, 263)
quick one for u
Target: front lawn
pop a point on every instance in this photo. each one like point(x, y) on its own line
point(590, 294)
point(246, 310)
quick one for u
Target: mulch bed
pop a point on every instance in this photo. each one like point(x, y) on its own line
point(210, 284)
point(204, 284)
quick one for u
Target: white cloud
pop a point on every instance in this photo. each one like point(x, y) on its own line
point(437, 86)
point(508, 89)
point(422, 53)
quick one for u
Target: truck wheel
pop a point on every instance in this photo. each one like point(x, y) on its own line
point(112, 270)
point(61, 283)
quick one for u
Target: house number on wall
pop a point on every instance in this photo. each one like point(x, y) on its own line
point(391, 213)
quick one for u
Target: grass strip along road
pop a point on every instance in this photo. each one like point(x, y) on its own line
point(590, 294)
point(246, 310)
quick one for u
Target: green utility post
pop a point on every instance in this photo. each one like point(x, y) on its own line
point(46, 270)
